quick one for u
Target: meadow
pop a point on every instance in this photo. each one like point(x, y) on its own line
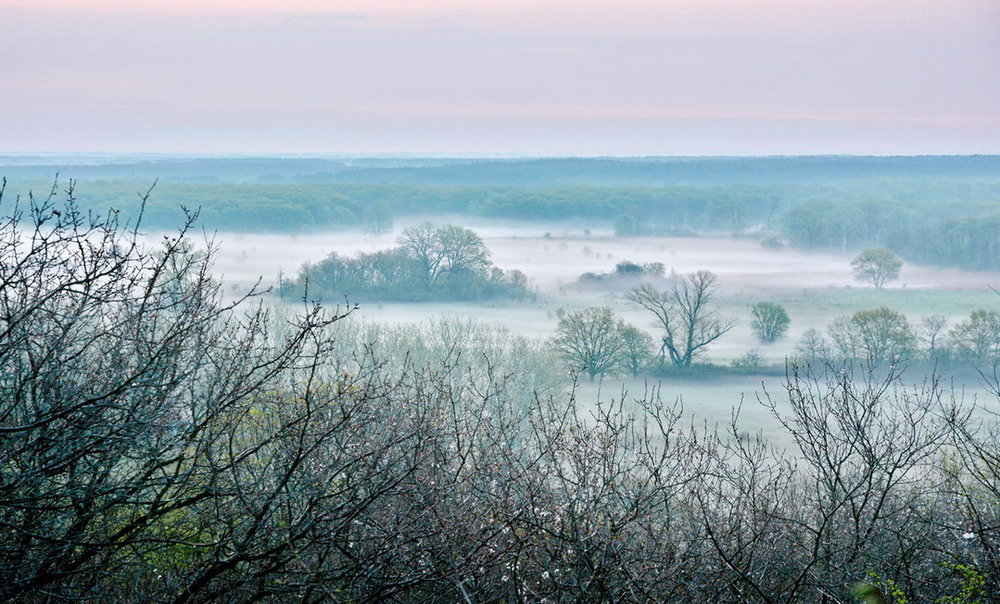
point(815, 288)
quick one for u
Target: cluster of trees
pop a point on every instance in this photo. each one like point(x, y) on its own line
point(162, 445)
point(885, 336)
point(627, 270)
point(431, 263)
point(596, 342)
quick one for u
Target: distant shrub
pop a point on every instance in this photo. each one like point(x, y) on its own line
point(626, 226)
point(772, 243)
point(626, 270)
point(770, 321)
point(749, 362)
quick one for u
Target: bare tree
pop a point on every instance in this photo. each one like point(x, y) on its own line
point(445, 250)
point(636, 349)
point(160, 444)
point(590, 340)
point(930, 333)
point(686, 313)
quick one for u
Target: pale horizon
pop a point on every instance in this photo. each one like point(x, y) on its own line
point(483, 78)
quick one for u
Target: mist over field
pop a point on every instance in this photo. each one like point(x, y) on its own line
point(778, 230)
point(472, 301)
point(816, 287)
point(511, 380)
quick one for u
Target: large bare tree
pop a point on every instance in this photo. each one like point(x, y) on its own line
point(445, 250)
point(686, 313)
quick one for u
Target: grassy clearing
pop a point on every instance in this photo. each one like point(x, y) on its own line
point(814, 288)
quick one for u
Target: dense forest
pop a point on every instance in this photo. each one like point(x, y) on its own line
point(929, 210)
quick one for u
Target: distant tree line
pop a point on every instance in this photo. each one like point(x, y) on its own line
point(856, 172)
point(294, 207)
point(939, 222)
point(961, 235)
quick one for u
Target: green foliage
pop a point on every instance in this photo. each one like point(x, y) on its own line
point(770, 321)
point(431, 263)
point(879, 590)
point(878, 265)
point(878, 335)
point(972, 586)
point(948, 234)
point(930, 210)
point(977, 339)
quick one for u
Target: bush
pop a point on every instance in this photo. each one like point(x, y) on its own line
point(748, 363)
point(770, 321)
point(772, 243)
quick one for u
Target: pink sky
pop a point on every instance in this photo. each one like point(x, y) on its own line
point(519, 77)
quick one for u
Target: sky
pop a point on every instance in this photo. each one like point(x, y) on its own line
point(500, 77)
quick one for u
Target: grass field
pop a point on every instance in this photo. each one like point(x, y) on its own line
point(815, 288)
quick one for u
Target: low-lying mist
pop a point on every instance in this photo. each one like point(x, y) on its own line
point(815, 288)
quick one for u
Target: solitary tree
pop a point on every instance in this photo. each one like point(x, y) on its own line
point(770, 321)
point(685, 312)
point(876, 264)
point(590, 340)
point(378, 219)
